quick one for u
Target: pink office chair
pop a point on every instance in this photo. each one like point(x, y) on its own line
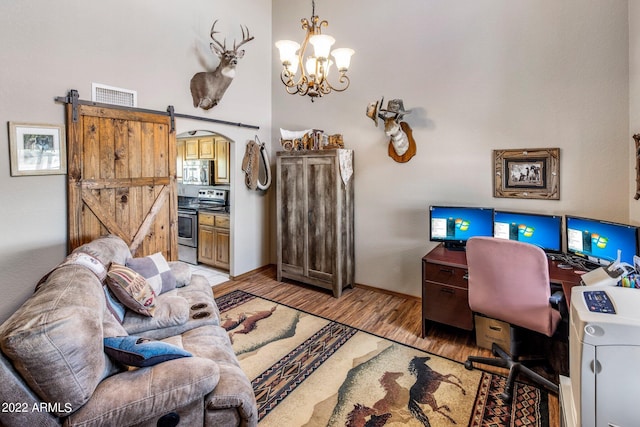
point(509, 281)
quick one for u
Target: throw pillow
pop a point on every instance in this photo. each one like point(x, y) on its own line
point(115, 307)
point(156, 270)
point(141, 352)
point(131, 289)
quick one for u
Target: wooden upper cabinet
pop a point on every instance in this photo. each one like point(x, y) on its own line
point(191, 149)
point(222, 169)
point(200, 148)
point(207, 148)
point(180, 159)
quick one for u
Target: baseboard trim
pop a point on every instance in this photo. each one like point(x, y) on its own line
point(273, 267)
point(252, 272)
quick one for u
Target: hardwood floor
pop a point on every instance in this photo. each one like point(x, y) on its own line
point(389, 315)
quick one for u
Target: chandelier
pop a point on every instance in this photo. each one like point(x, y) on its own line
point(314, 70)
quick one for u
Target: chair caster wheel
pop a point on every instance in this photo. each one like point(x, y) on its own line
point(468, 365)
point(506, 397)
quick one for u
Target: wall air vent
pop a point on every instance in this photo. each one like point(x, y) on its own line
point(113, 95)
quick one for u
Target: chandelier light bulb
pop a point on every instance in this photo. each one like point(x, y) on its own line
point(321, 44)
point(311, 65)
point(343, 58)
point(288, 49)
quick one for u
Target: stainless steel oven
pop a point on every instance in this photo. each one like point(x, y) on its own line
point(188, 235)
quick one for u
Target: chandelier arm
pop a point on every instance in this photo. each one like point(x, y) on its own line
point(344, 79)
point(286, 79)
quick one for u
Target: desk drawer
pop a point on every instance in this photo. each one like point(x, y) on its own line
point(445, 274)
point(447, 304)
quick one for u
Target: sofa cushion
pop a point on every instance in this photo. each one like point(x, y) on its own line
point(177, 311)
point(156, 270)
point(171, 310)
point(131, 289)
point(141, 352)
point(55, 338)
point(137, 396)
point(182, 273)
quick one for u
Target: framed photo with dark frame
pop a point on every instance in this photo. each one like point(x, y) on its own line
point(527, 173)
point(37, 149)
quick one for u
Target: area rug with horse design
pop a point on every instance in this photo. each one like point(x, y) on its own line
point(310, 371)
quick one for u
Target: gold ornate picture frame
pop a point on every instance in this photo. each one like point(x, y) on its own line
point(527, 173)
point(37, 149)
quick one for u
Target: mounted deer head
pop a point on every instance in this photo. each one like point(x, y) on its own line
point(208, 87)
point(402, 146)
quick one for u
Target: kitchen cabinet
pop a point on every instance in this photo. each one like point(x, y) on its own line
point(213, 239)
point(314, 217)
point(212, 148)
point(200, 148)
point(207, 148)
point(179, 160)
point(191, 150)
point(222, 170)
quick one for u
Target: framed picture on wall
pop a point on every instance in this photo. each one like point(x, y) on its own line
point(37, 149)
point(527, 173)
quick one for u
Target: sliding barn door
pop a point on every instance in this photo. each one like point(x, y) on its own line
point(121, 179)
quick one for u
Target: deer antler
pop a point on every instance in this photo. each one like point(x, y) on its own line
point(222, 46)
point(245, 38)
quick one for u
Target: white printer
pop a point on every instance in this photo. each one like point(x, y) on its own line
point(604, 358)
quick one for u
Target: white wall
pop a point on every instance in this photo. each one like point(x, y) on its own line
point(479, 75)
point(153, 47)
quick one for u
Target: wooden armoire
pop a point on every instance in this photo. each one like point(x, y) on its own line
point(314, 208)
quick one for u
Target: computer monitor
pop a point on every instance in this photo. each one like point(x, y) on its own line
point(454, 225)
point(544, 231)
point(599, 241)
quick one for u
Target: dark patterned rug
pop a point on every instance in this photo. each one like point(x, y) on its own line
point(311, 371)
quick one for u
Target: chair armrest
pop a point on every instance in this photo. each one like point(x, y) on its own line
point(558, 302)
point(556, 299)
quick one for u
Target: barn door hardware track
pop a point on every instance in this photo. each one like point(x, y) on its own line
point(73, 98)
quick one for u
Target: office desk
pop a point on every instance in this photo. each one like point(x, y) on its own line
point(445, 287)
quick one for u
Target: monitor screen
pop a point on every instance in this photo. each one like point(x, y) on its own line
point(454, 225)
point(544, 231)
point(599, 241)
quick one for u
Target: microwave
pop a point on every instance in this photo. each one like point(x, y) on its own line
point(197, 172)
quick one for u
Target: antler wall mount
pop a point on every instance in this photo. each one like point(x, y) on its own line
point(402, 146)
point(208, 87)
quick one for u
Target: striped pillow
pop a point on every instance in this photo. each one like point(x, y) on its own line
point(131, 289)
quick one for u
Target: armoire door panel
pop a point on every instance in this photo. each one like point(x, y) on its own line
point(292, 213)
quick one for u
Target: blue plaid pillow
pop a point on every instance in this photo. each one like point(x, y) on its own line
point(141, 352)
point(156, 270)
